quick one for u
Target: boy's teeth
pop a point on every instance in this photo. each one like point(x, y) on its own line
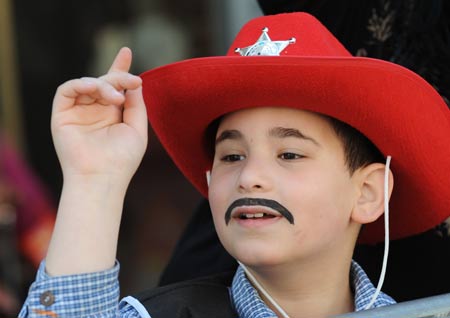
point(254, 215)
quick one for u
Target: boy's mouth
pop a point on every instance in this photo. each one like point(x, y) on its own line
point(253, 212)
point(261, 215)
point(257, 209)
point(255, 216)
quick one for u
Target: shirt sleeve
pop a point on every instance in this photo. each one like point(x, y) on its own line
point(83, 295)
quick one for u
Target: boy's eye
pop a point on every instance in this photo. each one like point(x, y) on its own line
point(289, 156)
point(232, 158)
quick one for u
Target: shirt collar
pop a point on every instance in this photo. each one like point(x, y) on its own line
point(249, 304)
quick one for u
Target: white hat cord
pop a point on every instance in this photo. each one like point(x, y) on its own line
point(263, 291)
point(386, 234)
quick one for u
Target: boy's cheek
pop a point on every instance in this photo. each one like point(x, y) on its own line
point(218, 214)
point(219, 187)
point(215, 202)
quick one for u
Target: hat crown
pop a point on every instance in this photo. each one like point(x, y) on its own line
point(296, 34)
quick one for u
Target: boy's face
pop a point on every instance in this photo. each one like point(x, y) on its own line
point(293, 159)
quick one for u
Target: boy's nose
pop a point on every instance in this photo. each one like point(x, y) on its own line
point(254, 177)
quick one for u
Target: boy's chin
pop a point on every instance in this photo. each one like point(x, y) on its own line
point(258, 257)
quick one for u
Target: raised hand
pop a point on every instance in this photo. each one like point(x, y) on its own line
point(99, 128)
point(99, 125)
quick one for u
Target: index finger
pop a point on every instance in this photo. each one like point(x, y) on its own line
point(122, 61)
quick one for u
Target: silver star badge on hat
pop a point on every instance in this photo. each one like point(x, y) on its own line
point(264, 46)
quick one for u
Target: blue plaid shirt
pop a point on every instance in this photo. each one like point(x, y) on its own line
point(97, 295)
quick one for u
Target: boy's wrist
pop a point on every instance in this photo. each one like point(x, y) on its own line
point(107, 184)
point(89, 214)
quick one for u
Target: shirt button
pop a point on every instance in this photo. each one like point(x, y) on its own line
point(47, 298)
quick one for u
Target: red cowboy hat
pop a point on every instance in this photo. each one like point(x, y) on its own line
point(395, 108)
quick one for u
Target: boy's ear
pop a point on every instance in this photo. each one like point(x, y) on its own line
point(369, 204)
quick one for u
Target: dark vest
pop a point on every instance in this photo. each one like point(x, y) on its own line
point(202, 297)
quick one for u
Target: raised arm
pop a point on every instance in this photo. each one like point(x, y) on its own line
point(99, 128)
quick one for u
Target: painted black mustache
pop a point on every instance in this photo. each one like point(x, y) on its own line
point(261, 202)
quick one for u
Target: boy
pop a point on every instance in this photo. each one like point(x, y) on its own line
point(267, 134)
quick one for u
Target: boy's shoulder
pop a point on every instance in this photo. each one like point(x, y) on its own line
point(201, 297)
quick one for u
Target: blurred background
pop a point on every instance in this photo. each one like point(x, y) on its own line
point(44, 43)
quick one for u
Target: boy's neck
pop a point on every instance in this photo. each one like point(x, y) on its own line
point(310, 289)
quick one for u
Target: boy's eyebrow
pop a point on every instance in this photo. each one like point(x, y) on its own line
point(278, 132)
point(282, 132)
point(229, 134)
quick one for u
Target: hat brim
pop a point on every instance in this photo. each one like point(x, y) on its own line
point(395, 108)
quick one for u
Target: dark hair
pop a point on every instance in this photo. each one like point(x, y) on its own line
point(358, 149)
